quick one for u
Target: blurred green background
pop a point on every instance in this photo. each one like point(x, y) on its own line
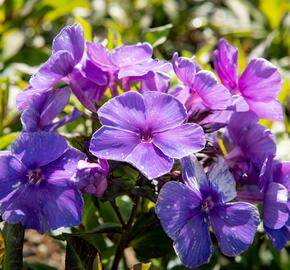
point(258, 28)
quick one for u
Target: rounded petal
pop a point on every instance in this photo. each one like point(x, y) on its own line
point(225, 60)
point(260, 81)
point(213, 95)
point(128, 55)
point(71, 39)
point(180, 141)
point(113, 143)
point(36, 149)
point(272, 110)
point(275, 211)
point(234, 225)
point(193, 245)
point(163, 111)
point(149, 160)
point(175, 206)
point(126, 112)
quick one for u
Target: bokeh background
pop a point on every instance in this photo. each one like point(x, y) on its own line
point(259, 28)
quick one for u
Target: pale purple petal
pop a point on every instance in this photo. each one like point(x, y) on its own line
point(163, 111)
point(213, 95)
point(234, 225)
point(193, 245)
point(225, 60)
point(35, 148)
point(128, 55)
point(180, 141)
point(185, 69)
point(260, 81)
point(272, 110)
point(275, 211)
point(240, 104)
point(175, 206)
point(221, 180)
point(126, 112)
point(71, 39)
point(113, 143)
point(149, 160)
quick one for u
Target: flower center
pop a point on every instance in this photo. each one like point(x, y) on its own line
point(207, 204)
point(146, 135)
point(35, 176)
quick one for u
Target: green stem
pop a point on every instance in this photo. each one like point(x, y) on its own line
point(14, 235)
point(116, 209)
point(124, 239)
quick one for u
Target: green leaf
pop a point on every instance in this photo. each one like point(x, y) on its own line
point(4, 96)
point(87, 28)
point(13, 258)
point(8, 139)
point(158, 35)
point(38, 266)
point(12, 43)
point(80, 254)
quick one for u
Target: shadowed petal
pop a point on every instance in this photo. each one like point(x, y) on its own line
point(38, 148)
point(275, 211)
point(71, 39)
point(181, 141)
point(234, 225)
point(193, 245)
point(113, 143)
point(149, 160)
point(175, 206)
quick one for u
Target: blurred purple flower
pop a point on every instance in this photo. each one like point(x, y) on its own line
point(258, 86)
point(92, 177)
point(44, 108)
point(187, 210)
point(36, 186)
point(147, 131)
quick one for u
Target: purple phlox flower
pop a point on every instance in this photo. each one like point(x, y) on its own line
point(43, 108)
point(147, 131)
point(202, 86)
point(67, 52)
point(274, 180)
point(36, 182)
point(257, 87)
point(186, 210)
point(92, 177)
point(248, 144)
point(89, 84)
point(131, 63)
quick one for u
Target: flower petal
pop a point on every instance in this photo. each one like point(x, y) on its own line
point(126, 112)
point(275, 211)
point(113, 143)
point(71, 39)
point(225, 60)
point(175, 206)
point(149, 160)
point(163, 111)
point(260, 81)
point(213, 95)
point(221, 180)
point(193, 245)
point(234, 225)
point(36, 149)
point(180, 141)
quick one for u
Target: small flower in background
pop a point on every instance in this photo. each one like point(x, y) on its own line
point(258, 86)
point(36, 185)
point(44, 108)
point(147, 131)
point(186, 210)
point(92, 177)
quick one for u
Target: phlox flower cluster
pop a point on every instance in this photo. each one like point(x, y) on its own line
point(156, 127)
